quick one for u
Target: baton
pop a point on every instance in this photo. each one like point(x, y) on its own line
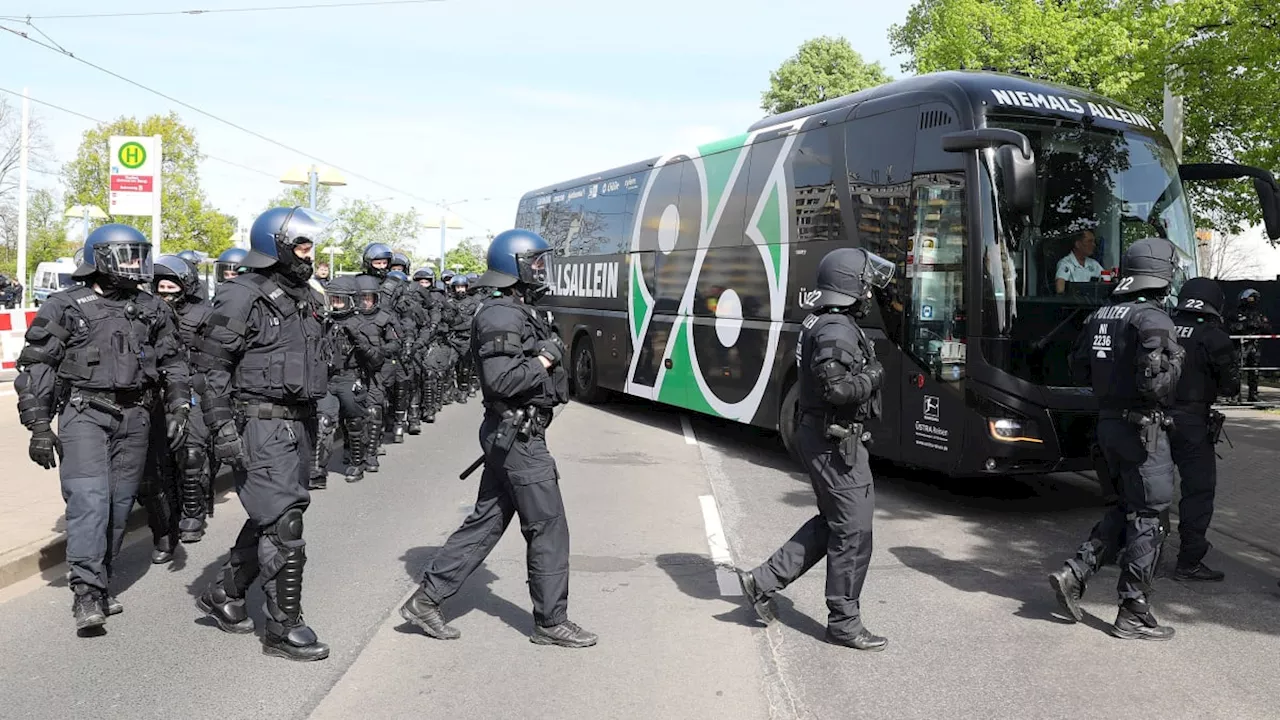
point(471, 468)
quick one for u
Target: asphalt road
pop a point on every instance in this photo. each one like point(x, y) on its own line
point(957, 583)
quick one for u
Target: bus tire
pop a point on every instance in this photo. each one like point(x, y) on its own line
point(585, 373)
point(789, 419)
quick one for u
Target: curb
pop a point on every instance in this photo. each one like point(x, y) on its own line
point(34, 558)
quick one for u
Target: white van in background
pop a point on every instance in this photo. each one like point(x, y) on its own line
point(51, 277)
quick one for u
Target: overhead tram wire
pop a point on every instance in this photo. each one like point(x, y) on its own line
point(211, 116)
point(103, 122)
point(273, 8)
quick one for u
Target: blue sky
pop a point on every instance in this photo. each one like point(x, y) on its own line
point(462, 99)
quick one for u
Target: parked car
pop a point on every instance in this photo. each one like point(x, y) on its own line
point(52, 277)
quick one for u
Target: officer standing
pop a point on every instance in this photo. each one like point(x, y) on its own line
point(96, 355)
point(1250, 320)
point(428, 297)
point(396, 289)
point(466, 306)
point(1128, 352)
point(840, 381)
point(357, 358)
point(193, 260)
point(384, 328)
point(1211, 368)
point(264, 373)
point(522, 380)
point(230, 264)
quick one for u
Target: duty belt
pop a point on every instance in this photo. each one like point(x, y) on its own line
point(113, 402)
point(265, 410)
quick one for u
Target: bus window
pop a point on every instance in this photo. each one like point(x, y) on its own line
point(817, 207)
point(935, 326)
point(602, 216)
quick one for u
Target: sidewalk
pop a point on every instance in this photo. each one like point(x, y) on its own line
point(1248, 494)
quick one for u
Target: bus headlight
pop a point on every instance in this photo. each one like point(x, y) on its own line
point(1014, 430)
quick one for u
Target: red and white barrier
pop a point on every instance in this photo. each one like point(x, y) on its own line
point(13, 326)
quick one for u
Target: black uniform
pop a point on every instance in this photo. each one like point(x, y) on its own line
point(1211, 368)
point(1129, 354)
point(839, 386)
point(1250, 320)
point(466, 306)
point(382, 386)
point(523, 481)
point(441, 354)
point(98, 361)
point(264, 373)
point(357, 358)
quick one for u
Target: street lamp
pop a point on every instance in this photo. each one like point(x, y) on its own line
point(86, 212)
point(312, 176)
point(445, 223)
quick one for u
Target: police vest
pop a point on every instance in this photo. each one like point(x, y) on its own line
point(112, 347)
point(1112, 341)
point(490, 339)
point(826, 337)
point(284, 362)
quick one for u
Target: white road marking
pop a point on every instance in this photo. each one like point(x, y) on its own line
point(719, 546)
point(687, 428)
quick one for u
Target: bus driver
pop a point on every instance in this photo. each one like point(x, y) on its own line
point(1078, 265)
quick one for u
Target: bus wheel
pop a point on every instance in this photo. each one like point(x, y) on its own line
point(789, 419)
point(586, 386)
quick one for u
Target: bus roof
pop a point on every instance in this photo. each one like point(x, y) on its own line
point(970, 91)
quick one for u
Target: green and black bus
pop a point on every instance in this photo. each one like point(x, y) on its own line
point(684, 278)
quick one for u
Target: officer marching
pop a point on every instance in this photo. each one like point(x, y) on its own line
point(521, 379)
point(840, 382)
point(1129, 354)
point(96, 355)
point(264, 373)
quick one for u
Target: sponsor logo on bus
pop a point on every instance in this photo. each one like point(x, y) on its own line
point(1045, 101)
point(586, 279)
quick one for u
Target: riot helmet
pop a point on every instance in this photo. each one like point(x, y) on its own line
point(369, 290)
point(171, 277)
point(342, 296)
point(229, 264)
point(187, 277)
point(424, 277)
point(846, 276)
point(1202, 296)
point(191, 257)
point(1148, 264)
point(118, 254)
point(459, 284)
point(376, 260)
point(398, 276)
point(519, 258)
point(1250, 298)
point(277, 236)
point(446, 277)
point(400, 261)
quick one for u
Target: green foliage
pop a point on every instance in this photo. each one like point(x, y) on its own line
point(468, 256)
point(360, 222)
point(187, 219)
point(822, 69)
point(300, 196)
point(47, 236)
point(1219, 54)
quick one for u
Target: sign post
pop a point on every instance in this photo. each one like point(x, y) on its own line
point(135, 180)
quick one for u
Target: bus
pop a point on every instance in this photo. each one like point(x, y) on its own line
point(684, 278)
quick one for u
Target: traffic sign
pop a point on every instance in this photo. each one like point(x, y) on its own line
point(134, 175)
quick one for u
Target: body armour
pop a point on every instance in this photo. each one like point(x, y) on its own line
point(828, 337)
point(1129, 354)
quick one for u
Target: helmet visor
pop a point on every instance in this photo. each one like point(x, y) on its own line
point(340, 303)
point(131, 261)
point(307, 226)
point(367, 302)
point(535, 267)
point(878, 272)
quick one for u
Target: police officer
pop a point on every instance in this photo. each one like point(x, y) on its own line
point(1211, 368)
point(466, 306)
point(264, 373)
point(840, 382)
point(522, 380)
point(230, 264)
point(180, 286)
point(396, 288)
point(1129, 353)
point(96, 355)
point(424, 402)
point(357, 357)
point(384, 328)
point(193, 260)
point(1250, 320)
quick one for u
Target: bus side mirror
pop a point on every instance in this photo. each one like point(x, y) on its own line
point(1263, 182)
point(1269, 198)
point(1014, 157)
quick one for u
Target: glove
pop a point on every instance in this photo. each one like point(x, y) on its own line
point(228, 447)
point(552, 350)
point(177, 427)
point(44, 445)
point(874, 373)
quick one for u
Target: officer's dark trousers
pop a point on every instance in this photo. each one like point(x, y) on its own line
point(1192, 450)
point(278, 454)
point(527, 484)
point(1130, 531)
point(102, 463)
point(158, 493)
point(1250, 356)
point(841, 531)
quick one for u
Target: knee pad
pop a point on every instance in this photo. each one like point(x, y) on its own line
point(289, 526)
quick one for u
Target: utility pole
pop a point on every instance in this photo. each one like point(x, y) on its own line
point(1173, 108)
point(156, 148)
point(24, 159)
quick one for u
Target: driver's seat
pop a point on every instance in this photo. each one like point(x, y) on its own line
point(1052, 249)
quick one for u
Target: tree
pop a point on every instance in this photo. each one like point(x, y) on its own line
point(823, 68)
point(1226, 257)
point(47, 237)
point(1219, 54)
point(10, 158)
point(188, 221)
point(360, 222)
point(469, 256)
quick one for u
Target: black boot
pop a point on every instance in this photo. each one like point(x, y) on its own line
point(320, 454)
point(1069, 590)
point(355, 450)
point(399, 426)
point(111, 605)
point(862, 640)
point(415, 418)
point(372, 433)
point(194, 505)
point(292, 640)
point(425, 613)
point(227, 611)
point(287, 634)
point(566, 634)
point(1198, 573)
point(163, 551)
point(86, 608)
point(761, 604)
point(1135, 621)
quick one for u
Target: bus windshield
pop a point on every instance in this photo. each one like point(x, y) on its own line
point(1097, 192)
